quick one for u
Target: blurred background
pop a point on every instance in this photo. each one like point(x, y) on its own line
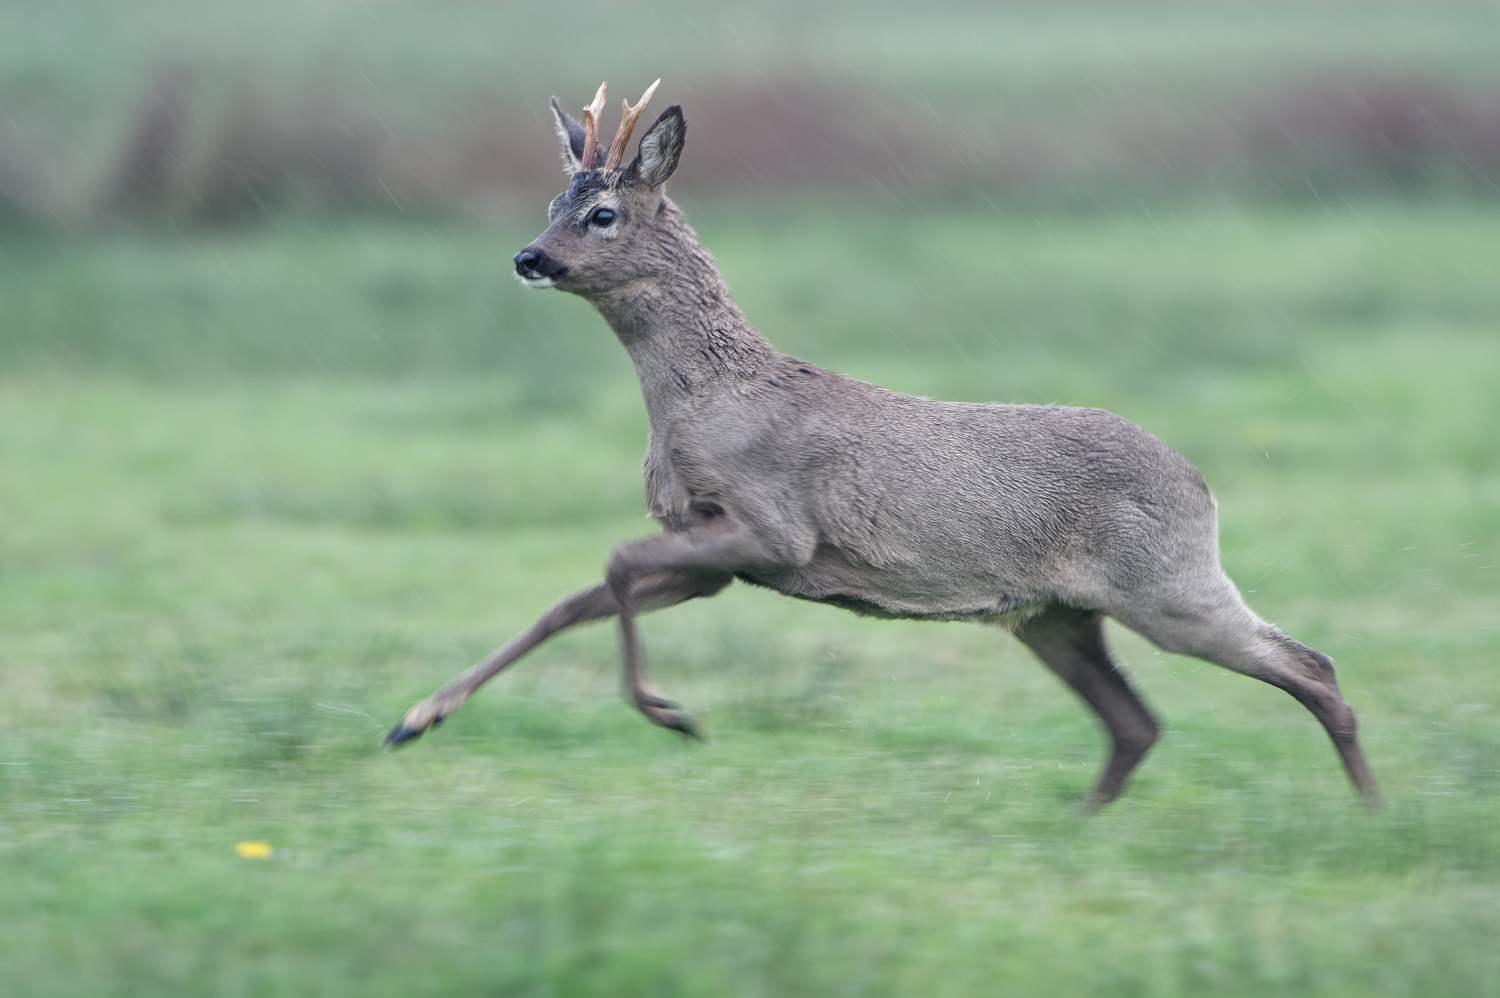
point(227, 114)
point(136, 135)
point(283, 446)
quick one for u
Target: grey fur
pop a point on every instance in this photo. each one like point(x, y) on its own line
point(762, 467)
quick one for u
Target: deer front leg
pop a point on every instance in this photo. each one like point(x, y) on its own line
point(650, 592)
point(705, 556)
point(594, 603)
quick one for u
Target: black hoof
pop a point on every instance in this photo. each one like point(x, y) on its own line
point(400, 735)
point(685, 723)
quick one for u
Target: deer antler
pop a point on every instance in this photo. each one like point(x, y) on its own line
point(591, 129)
point(628, 116)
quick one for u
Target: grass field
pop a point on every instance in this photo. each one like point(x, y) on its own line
point(260, 492)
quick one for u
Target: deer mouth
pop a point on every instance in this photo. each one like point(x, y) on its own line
point(535, 269)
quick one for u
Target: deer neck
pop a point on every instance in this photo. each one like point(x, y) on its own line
point(685, 335)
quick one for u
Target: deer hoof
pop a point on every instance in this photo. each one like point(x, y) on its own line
point(670, 716)
point(401, 733)
point(687, 724)
point(680, 721)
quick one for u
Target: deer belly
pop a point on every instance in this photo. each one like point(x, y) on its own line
point(896, 592)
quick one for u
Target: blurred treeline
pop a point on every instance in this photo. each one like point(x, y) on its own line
point(222, 113)
point(195, 189)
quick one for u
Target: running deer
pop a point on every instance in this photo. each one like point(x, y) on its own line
point(1042, 520)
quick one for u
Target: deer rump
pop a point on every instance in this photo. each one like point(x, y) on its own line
point(762, 467)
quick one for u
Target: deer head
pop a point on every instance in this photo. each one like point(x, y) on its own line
point(602, 228)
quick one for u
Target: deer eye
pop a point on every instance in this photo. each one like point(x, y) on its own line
point(603, 217)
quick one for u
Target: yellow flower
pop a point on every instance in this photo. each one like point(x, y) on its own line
point(253, 850)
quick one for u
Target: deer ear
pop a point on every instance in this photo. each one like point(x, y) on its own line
point(660, 149)
point(570, 136)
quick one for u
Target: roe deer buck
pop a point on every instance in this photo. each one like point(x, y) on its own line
point(1041, 519)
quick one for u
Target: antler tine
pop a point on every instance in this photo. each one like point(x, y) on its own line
point(628, 116)
point(591, 128)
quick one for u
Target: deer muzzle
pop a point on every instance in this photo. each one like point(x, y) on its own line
point(536, 269)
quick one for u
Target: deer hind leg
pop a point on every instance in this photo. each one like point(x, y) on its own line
point(649, 592)
point(1070, 642)
point(1227, 633)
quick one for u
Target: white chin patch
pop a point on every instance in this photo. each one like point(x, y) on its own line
point(536, 282)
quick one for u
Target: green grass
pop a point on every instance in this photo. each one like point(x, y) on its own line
point(259, 494)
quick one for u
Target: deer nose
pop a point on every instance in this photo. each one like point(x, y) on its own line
point(533, 262)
